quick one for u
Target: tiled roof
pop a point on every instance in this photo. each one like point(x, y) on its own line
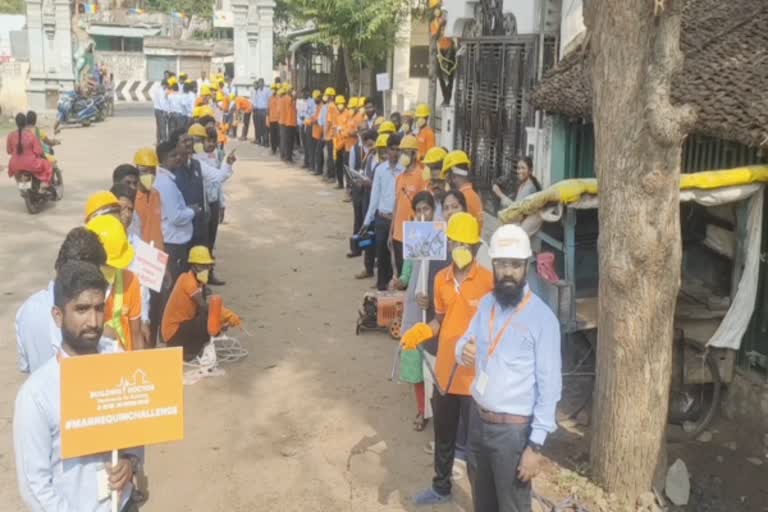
point(725, 72)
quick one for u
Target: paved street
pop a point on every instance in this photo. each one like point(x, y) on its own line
point(309, 420)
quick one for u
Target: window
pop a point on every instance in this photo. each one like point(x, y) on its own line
point(118, 44)
point(419, 62)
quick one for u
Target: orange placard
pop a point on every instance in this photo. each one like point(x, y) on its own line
point(121, 400)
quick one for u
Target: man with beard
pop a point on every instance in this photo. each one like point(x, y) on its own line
point(513, 345)
point(458, 290)
point(46, 482)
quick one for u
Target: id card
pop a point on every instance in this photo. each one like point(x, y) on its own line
point(482, 382)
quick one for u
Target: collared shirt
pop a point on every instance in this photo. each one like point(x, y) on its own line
point(301, 110)
point(176, 103)
point(189, 103)
point(147, 218)
point(370, 121)
point(456, 303)
point(213, 176)
point(523, 373)
point(383, 190)
point(309, 109)
point(323, 115)
point(159, 98)
point(46, 482)
point(176, 217)
point(260, 98)
point(37, 335)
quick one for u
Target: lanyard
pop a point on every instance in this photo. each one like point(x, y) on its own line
point(497, 339)
point(117, 309)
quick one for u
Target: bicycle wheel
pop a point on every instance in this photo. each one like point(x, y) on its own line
point(695, 404)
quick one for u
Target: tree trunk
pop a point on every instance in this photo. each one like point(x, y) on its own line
point(348, 70)
point(633, 53)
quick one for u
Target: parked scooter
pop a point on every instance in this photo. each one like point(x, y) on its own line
point(76, 109)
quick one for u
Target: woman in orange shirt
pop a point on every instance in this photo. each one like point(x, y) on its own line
point(409, 183)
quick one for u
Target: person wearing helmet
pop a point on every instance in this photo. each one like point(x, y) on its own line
point(456, 167)
point(409, 183)
point(329, 134)
point(387, 127)
point(381, 209)
point(260, 101)
point(101, 203)
point(37, 336)
point(188, 101)
point(340, 127)
point(517, 380)
point(424, 133)
point(318, 128)
point(307, 126)
point(244, 109)
point(122, 311)
point(288, 123)
point(433, 161)
point(273, 116)
point(407, 127)
point(185, 319)
point(45, 480)
point(360, 186)
point(175, 107)
point(458, 289)
point(147, 206)
point(371, 117)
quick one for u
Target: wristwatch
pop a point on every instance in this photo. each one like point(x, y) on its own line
point(536, 447)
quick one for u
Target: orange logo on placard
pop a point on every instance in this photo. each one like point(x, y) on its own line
point(121, 400)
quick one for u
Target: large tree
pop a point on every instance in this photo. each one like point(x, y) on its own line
point(634, 52)
point(365, 29)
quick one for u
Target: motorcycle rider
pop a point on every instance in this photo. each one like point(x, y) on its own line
point(27, 154)
point(41, 136)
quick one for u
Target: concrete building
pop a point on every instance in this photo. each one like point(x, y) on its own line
point(252, 34)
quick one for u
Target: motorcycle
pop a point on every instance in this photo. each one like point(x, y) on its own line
point(35, 196)
point(75, 109)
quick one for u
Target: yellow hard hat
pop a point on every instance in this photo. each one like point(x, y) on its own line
point(206, 111)
point(182, 76)
point(353, 102)
point(454, 158)
point(422, 110)
point(219, 96)
point(213, 87)
point(434, 156)
point(463, 228)
point(434, 3)
point(316, 94)
point(409, 142)
point(112, 236)
point(288, 87)
point(172, 81)
point(200, 255)
point(100, 201)
point(197, 130)
point(340, 100)
point(205, 91)
point(330, 91)
point(232, 96)
point(145, 157)
point(196, 112)
point(381, 141)
point(273, 87)
point(387, 127)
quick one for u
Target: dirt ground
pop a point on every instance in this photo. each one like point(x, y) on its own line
point(309, 421)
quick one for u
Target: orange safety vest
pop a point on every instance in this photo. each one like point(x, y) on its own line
point(340, 137)
point(288, 111)
point(273, 116)
point(317, 132)
point(330, 119)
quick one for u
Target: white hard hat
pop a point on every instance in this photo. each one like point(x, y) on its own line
point(510, 241)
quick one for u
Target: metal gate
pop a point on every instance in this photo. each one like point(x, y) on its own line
point(494, 80)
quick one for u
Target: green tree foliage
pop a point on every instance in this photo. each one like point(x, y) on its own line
point(188, 7)
point(12, 7)
point(365, 28)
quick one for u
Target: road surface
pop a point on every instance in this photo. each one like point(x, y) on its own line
point(309, 421)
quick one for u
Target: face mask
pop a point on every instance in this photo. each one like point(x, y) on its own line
point(405, 160)
point(461, 257)
point(147, 180)
point(325, 99)
point(109, 273)
point(421, 122)
point(406, 127)
point(202, 276)
point(197, 147)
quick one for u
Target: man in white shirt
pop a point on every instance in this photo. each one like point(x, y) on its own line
point(37, 335)
point(46, 482)
point(160, 103)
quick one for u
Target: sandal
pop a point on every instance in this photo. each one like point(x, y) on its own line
point(420, 423)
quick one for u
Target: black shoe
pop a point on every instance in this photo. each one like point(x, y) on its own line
point(354, 254)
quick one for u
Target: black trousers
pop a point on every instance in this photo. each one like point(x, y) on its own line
point(307, 144)
point(398, 248)
point(246, 124)
point(493, 457)
point(260, 126)
point(274, 137)
point(384, 261)
point(191, 336)
point(287, 137)
point(447, 411)
point(319, 156)
point(177, 260)
point(159, 126)
point(155, 315)
point(369, 255)
point(330, 161)
point(213, 224)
